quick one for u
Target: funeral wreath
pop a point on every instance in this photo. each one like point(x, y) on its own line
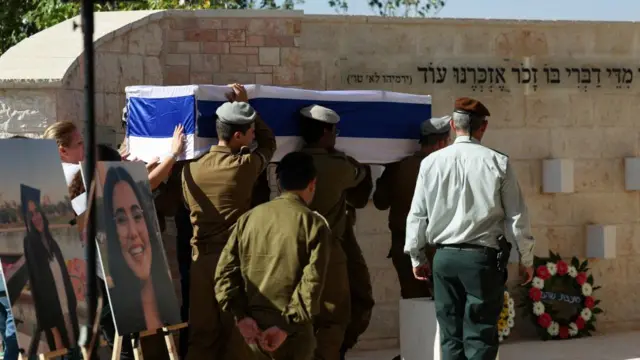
point(560, 298)
point(507, 317)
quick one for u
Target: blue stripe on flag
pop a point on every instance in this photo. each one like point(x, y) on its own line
point(157, 118)
point(378, 120)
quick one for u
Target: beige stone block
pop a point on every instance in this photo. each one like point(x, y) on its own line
point(231, 35)
point(605, 208)
point(235, 23)
point(542, 110)
point(260, 69)
point(375, 249)
point(205, 63)
point(175, 35)
point(364, 40)
point(620, 143)
point(228, 78)
point(313, 78)
point(132, 70)
point(177, 59)
point(184, 23)
point(627, 240)
point(608, 271)
point(614, 110)
point(290, 56)
point(384, 322)
point(244, 50)
point(177, 75)
point(215, 48)
point(550, 209)
point(582, 109)
point(476, 41)
point(279, 41)
point(577, 143)
point(253, 60)
point(269, 56)
point(506, 111)
point(136, 41)
point(200, 35)
point(521, 42)
point(68, 106)
point(370, 220)
point(385, 284)
point(118, 44)
point(201, 78)
point(113, 108)
point(326, 37)
point(108, 73)
point(264, 79)
point(529, 173)
point(153, 74)
point(435, 44)
point(571, 40)
point(233, 63)
point(599, 175)
point(153, 39)
point(568, 241)
point(210, 23)
point(614, 39)
point(187, 47)
point(541, 247)
point(270, 27)
point(99, 109)
point(287, 76)
point(519, 144)
point(255, 40)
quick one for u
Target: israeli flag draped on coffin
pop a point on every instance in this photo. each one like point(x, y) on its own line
point(376, 127)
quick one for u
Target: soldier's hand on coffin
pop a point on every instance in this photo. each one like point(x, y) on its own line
point(249, 330)
point(272, 339)
point(153, 164)
point(177, 145)
point(239, 93)
point(422, 272)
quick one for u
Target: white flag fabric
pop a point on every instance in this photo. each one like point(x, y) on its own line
point(376, 127)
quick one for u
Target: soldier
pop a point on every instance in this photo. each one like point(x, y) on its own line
point(466, 210)
point(337, 173)
point(394, 190)
point(275, 296)
point(217, 189)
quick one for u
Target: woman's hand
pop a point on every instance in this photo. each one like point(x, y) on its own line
point(177, 146)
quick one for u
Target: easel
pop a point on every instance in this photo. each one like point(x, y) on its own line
point(137, 348)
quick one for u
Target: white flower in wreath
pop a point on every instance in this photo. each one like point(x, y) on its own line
point(512, 312)
point(537, 283)
point(511, 303)
point(510, 323)
point(573, 272)
point(538, 308)
point(587, 290)
point(586, 314)
point(507, 331)
point(554, 329)
point(552, 268)
point(573, 329)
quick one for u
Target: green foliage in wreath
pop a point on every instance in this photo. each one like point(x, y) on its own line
point(560, 299)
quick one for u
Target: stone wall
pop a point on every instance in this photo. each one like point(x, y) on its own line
point(555, 90)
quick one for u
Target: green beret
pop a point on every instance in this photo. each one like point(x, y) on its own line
point(435, 126)
point(320, 113)
point(471, 106)
point(236, 113)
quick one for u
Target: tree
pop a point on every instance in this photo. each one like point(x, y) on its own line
point(20, 19)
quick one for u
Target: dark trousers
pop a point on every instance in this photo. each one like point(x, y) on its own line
point(410, 287)
point(184, 233)
point(8, 330)
point(469, 295)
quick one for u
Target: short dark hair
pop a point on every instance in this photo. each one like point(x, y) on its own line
point(225, 131)
point(295, 171)
point(18, 137)
point(433, 139)
point(312, 130)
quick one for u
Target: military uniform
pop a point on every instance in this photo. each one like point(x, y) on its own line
point(336, 174)
point(394, 191)
point(217, 189)
point(474, 198)
point(273, 270)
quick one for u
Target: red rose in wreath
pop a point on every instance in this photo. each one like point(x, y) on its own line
point(535, 294)
point(543, 273)
point(581, 278)
point(580, 323)
point(563, 332)
point(589, 302)
point(562, 268)
point(544, 320)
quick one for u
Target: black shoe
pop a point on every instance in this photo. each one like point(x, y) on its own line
point(397, 357)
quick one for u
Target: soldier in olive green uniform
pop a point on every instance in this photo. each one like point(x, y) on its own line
point(394, 191)
point(336, 174)
point(218, 188)
point(362, 301)
point(272, 271)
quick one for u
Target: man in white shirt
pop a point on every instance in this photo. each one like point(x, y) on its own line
point(466, 197)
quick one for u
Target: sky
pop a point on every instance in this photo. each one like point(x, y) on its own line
point(35, 163)
point(595, 10)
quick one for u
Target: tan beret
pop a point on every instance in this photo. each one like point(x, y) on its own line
point(471, 106)
point(320, 113)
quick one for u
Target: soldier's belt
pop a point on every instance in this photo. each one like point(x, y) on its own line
point(468, 247)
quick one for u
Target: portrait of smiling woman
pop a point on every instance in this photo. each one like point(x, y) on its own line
point(141, 294)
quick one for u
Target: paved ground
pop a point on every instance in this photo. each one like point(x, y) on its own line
point(622, 346)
